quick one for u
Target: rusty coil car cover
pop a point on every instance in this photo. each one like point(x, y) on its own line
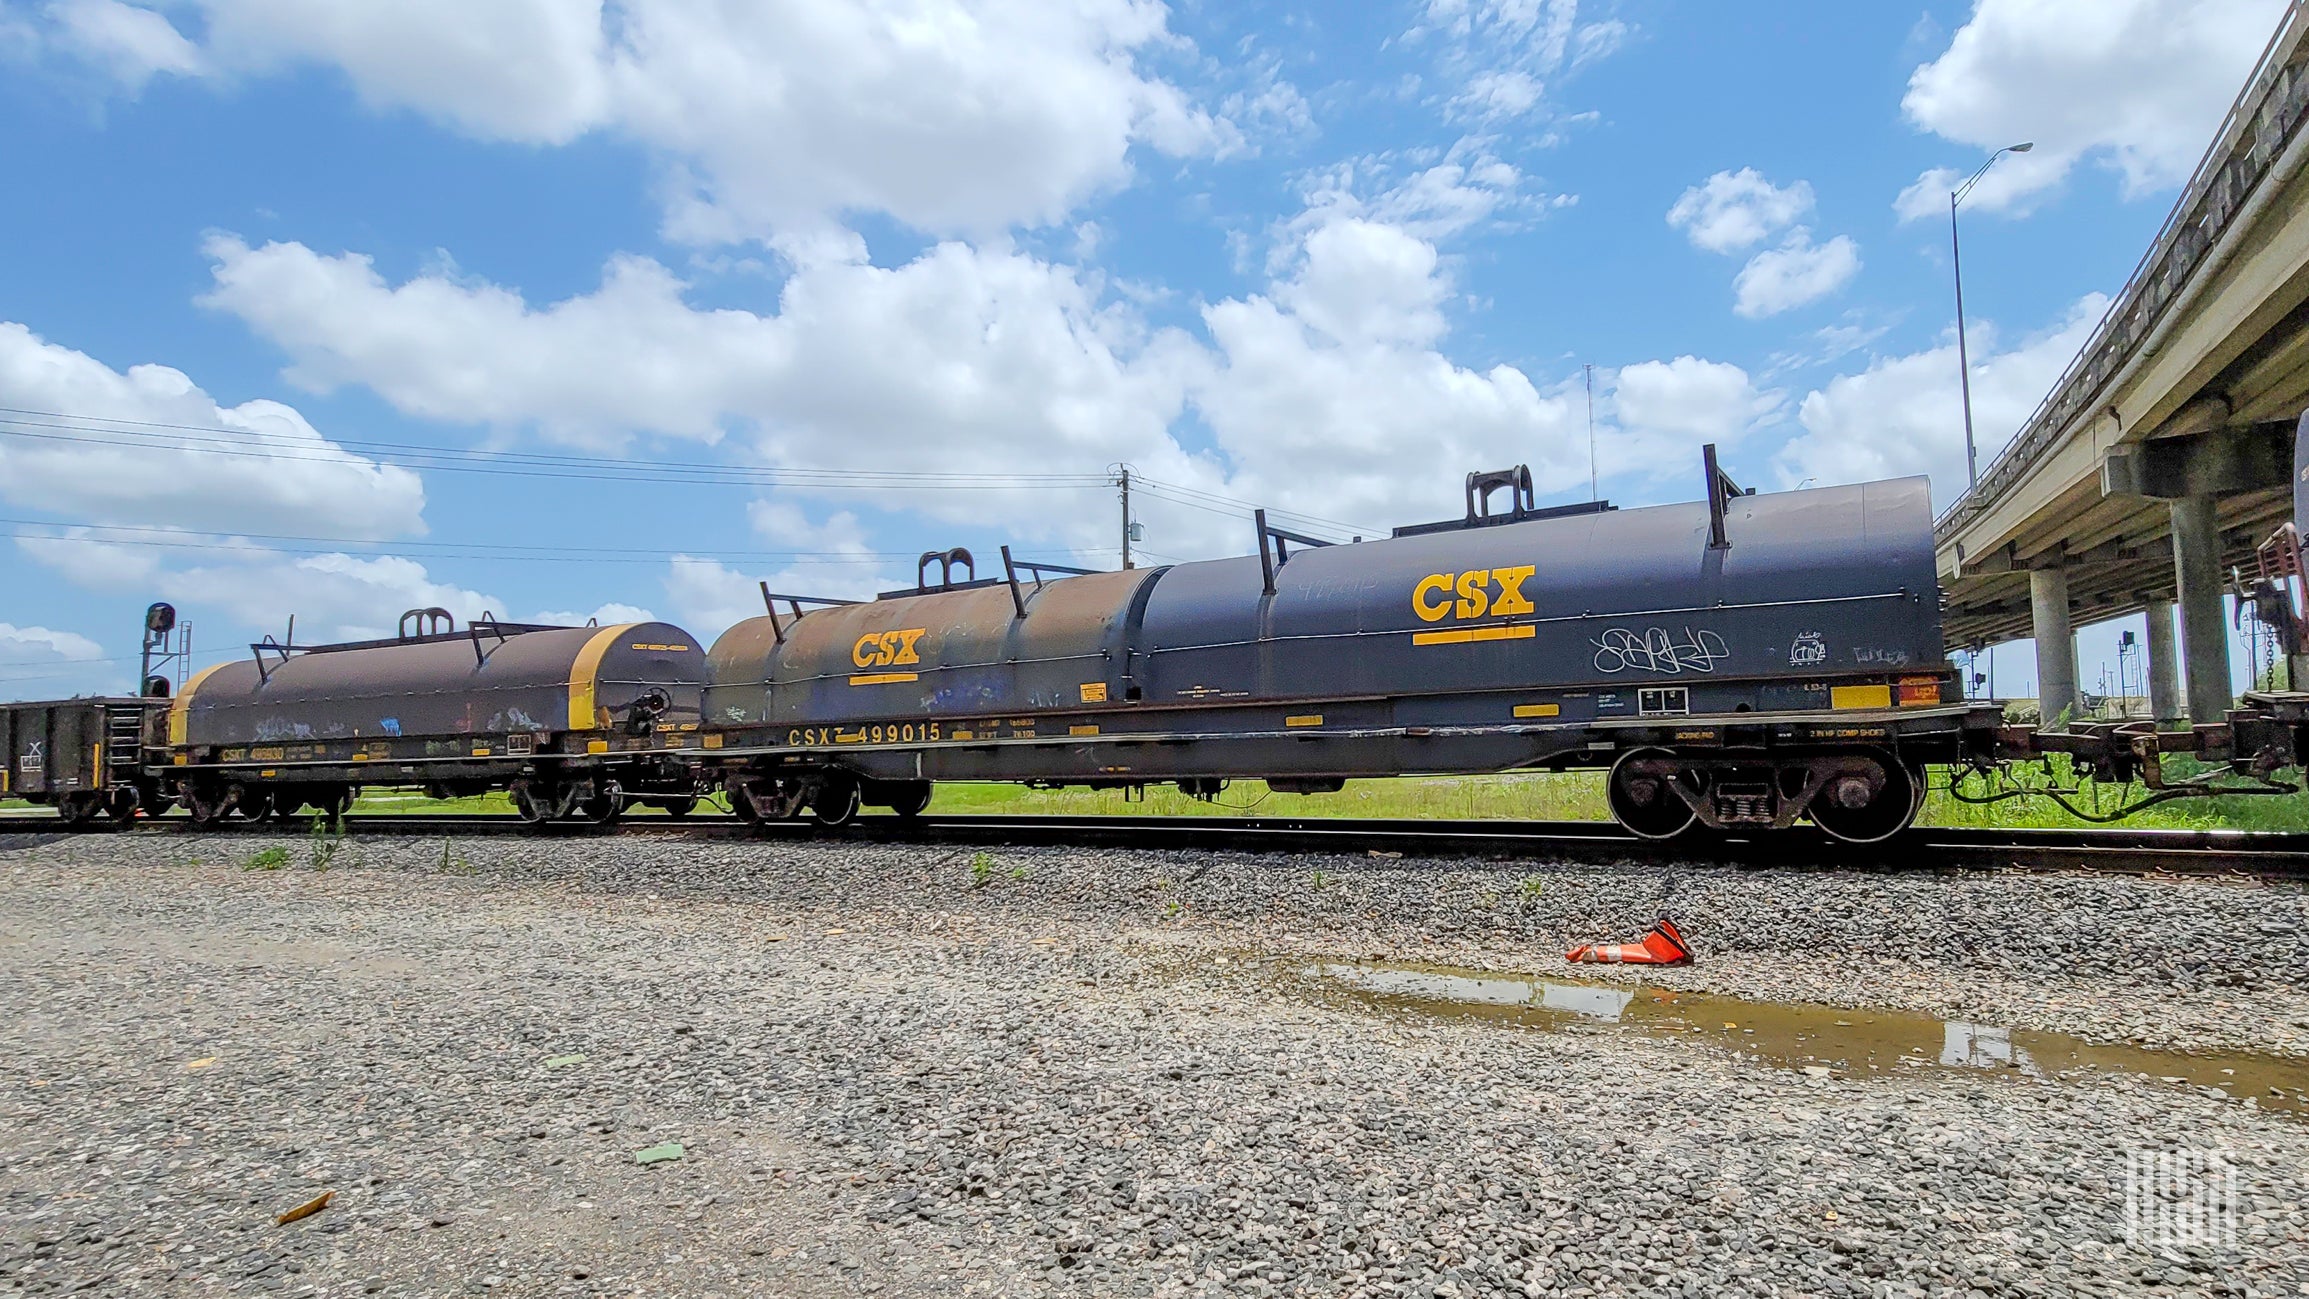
point(1814, 584)
point(946, 654)
point(538, 682)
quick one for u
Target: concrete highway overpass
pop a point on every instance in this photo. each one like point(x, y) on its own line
point(2163, 456)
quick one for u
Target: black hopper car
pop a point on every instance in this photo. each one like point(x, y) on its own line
point(1743, 662)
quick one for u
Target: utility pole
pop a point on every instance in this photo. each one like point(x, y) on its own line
point(1591, 491)
point(1122, 480)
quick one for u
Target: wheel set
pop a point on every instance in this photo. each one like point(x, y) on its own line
point(1858, 797)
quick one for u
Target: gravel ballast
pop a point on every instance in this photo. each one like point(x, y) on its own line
point(921, 1070)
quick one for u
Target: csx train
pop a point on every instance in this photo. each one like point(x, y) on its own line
point(1741, 662)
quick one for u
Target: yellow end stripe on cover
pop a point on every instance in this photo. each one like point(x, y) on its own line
point(585, 676)
point(1462, 635)
point(179, 712)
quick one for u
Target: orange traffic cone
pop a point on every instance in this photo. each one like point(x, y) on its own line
point(1663, 944)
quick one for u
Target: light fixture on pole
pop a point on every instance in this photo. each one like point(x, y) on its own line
point(1956, 262)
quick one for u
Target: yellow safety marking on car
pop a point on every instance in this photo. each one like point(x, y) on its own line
point(179, 712)
point(1094, 692)
point(1082, 730)
point(1304, 719)
point(881, 649)
point(1464, 635)
point(711, 741)
point(1877, 696)
point(597, 746)
point(268, 771)
point(965, 735)
point(884, 678)
point(1538, 710)
point(585, 677)
point(481, 752)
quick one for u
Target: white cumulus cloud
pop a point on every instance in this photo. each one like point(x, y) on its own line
point(1798, 271)
point(770, 118)
point(43, 663)
point(332, 596)
point(2137, 85)
point(1905, 414)
point(1732, 210)
point(148, 446)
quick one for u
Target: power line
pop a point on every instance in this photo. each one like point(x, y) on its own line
point(254, 444)
point(184, 539)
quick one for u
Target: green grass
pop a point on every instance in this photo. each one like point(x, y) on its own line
point(1573, 796)
point(1578, 796)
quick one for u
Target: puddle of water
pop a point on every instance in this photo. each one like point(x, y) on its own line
point(1800, 1035)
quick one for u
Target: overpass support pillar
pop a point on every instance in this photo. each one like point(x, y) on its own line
point(2204, 634)
point(2164, 663)
point(2055, 646)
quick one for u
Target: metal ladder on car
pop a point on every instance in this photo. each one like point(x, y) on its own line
point(123, 746)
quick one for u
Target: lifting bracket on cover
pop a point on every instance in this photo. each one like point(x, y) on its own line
point(770, 603)
point(430, 622)
point(1035, 570)
point(282, 648)
point(1481, 484)
point(486, 622)
point(946, 560)
point(1721, 489)
point(1275, 548)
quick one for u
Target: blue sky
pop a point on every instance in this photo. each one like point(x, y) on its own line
point(421, 291)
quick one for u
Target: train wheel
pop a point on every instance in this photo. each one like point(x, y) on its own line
point(535, 804)
point(604, 808)
point(678, 808)
point(741, 806)
point(1643, 798)
point(837, 802)
point(122, 804)
point(76, 809)
point(908, 797)
point(206, 807)
point(1868, 804)
point(254, 805)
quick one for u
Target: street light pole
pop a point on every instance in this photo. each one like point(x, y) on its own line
point(1956, 263)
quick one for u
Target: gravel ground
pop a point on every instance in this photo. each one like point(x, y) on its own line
point(922, 1071)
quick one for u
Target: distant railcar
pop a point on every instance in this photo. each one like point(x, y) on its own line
point(84, 757)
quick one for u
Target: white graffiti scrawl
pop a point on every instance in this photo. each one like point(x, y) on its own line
point(1657, 649)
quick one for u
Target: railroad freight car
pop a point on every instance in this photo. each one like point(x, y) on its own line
point(1746, 661)
point(84, 757)
point(571, 721)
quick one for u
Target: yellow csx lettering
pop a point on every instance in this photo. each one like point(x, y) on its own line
point(1432, 598)
point(881, 649)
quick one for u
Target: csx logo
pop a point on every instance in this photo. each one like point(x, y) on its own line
point(1432, 598)
point(881, 649)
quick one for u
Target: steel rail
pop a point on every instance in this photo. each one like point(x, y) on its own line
point(2257, 854)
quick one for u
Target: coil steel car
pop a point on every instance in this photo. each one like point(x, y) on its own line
point(1741, 662)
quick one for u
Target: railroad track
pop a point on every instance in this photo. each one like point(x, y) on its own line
point(2256, 854)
